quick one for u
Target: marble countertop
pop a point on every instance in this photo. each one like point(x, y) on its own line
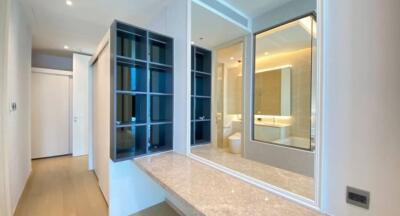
point(212, 192)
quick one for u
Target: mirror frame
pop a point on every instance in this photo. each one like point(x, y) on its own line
point(253, 75)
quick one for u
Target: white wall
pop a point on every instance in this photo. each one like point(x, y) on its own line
point(101, 120)
point(174, 21)
point(80, 104)
point(361, 105)
point(131, 190)
point(17, 123)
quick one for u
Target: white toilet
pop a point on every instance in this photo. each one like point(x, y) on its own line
point(235, 143)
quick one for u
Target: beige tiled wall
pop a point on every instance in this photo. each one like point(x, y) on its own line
point(301, 86)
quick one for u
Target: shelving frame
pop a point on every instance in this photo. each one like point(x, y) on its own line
point(153, 139)
point(201, 95)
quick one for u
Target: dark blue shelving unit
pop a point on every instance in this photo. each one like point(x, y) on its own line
point(201, 96)
point(142, 92)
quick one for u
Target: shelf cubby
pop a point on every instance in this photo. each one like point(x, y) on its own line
point(203, 84)
point(192, 135)
point(192, 56)
point(160, 138)
point(202, 132)
point(161, 80)
point(131, 44)
point(203, 108)
point(192, 103)
point(131, 108)
point(131, 76)
point(192, 77)
point(160, 49)
point(202, 60)
point(161, 108)
point(131, 141)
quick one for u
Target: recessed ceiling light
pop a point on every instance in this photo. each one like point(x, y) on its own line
point(192, 42)
point(68, 2)
point(66, 47)
point(232, 58)
point(266, 53)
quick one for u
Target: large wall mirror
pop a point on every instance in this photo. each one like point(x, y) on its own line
point(283, 84)
point(258, 123)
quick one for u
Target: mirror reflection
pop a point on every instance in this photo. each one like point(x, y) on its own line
point(272, 95)
point(266, 138)
point(283, 83)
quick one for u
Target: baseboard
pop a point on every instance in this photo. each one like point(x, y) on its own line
point(55, 156)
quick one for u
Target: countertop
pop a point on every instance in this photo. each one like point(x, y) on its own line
point(212, 192)
point(268, 124)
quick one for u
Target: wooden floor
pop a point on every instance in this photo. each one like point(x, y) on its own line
point(62, 186)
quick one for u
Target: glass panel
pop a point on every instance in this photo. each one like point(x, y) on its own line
point(203, 85)
point(160, 137)
point(161, 80)
point(131, 77)
point(131, 141)
point(161, 108)
point(131, 45)
point(203, 108)
point(131, 109)
point(282, 85)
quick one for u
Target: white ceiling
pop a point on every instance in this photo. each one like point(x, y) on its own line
point(83, 25)
point(254, 8)
point(214, 29)
point(288, 38)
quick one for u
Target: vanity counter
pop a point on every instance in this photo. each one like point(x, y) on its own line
point(268, 124)
point(209, 191)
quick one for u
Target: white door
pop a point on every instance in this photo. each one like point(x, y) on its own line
point(51, 113)
point(80, 104)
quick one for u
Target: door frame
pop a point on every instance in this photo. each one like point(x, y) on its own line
point(69, 74)
point(79, 110)
point(214, 83)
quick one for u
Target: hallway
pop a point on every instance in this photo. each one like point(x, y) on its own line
point(61, 186)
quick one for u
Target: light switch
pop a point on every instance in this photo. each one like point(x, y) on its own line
point(13, 106)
